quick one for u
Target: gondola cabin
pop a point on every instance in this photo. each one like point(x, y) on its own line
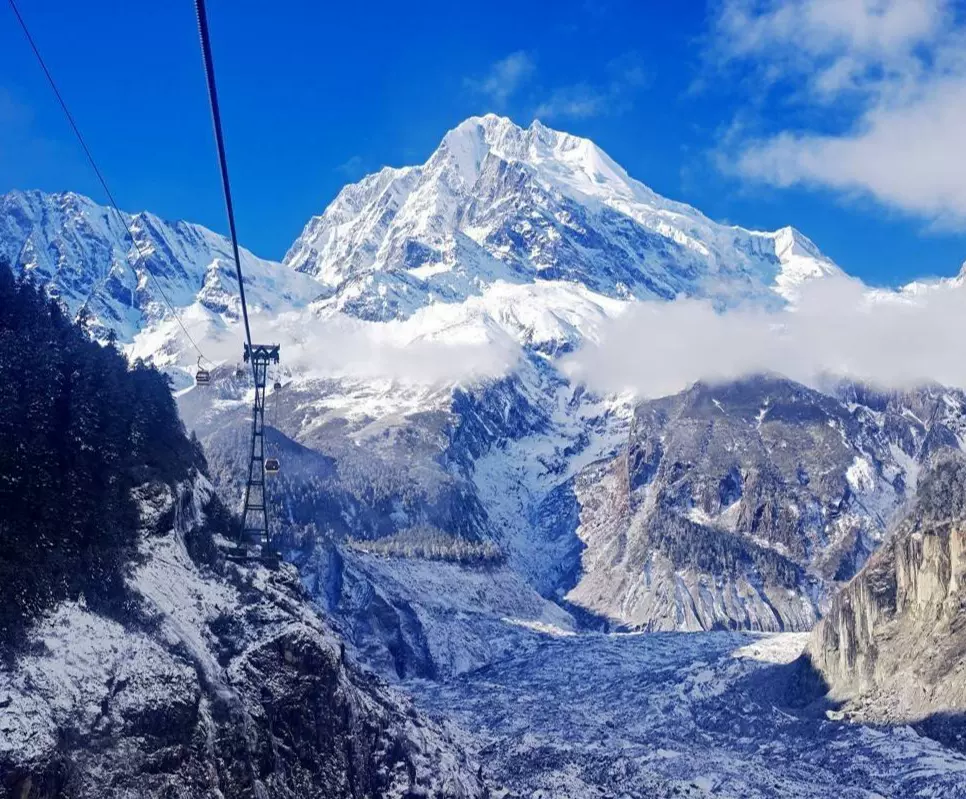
point(272, 465)
point(202, 377)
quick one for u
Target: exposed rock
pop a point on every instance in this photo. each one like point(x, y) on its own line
point(746, 504)
point(742, 505)
point(357, 475)
point(892, 646)
point(228, 685)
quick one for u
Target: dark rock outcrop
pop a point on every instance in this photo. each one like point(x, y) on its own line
point(747, 504)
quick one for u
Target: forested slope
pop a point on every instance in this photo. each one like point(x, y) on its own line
point(79, 430)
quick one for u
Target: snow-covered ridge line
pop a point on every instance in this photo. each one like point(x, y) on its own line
point(505, 238)
point(84, 254)
point(499, 201)
point(498, 220)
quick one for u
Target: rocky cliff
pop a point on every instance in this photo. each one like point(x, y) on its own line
point(893, 645)
point(222, 681)
point(747, 504)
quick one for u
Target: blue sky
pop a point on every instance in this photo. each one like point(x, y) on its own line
point(760, 114)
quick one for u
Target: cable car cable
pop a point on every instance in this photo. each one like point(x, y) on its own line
point(100, 175)
point(222, 160)
point(262, 356)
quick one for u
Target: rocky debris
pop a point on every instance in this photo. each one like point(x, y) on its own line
point(226, 683)
point(892, 646)
point(672, 715)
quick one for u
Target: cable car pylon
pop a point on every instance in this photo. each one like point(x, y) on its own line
point(255, 513)
point(255, 531)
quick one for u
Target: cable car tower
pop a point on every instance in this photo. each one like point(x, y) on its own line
point(255, 513)
point(254, 527)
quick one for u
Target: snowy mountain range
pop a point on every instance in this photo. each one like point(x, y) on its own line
point(123, 269)
point(494, 211)
point(394, 429)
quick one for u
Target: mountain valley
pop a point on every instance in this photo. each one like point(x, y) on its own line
point(590, 592)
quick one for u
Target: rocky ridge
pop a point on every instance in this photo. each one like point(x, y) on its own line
point(225, 683)
point(747, 504)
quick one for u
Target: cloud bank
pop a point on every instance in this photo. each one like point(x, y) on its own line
point(346, 348)
point(838, 328)
point(894, 70)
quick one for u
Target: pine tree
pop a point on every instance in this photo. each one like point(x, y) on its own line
point(79, 431)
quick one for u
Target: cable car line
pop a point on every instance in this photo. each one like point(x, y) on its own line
point(100, 175)
point(222, 160)
point(254, 527)
point(254, 523)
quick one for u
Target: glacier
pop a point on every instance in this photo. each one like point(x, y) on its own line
point(424, 318)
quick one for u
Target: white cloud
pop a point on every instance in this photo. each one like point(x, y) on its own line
point(407, 351)
point(895, 68)
point(627, 75)
point(580, 100)
point(838, 328)
point(505, 77)
point(837, 44)
point(910, 157)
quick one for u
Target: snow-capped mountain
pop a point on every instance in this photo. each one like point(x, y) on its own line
point(86, 256)
point(496, 202)
point(524, 242)
point(532, 232)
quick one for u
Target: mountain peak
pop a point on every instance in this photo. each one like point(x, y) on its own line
point(509, 140)
point(501, 202)
point(495, 205)
point(574, 165)
point(790, 241)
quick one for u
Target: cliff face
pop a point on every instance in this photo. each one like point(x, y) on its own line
point(224, 683)
point(749, 504)
point(893, 645)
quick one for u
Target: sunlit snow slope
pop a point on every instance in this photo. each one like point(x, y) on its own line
point(497, 202)
point(540, 231)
